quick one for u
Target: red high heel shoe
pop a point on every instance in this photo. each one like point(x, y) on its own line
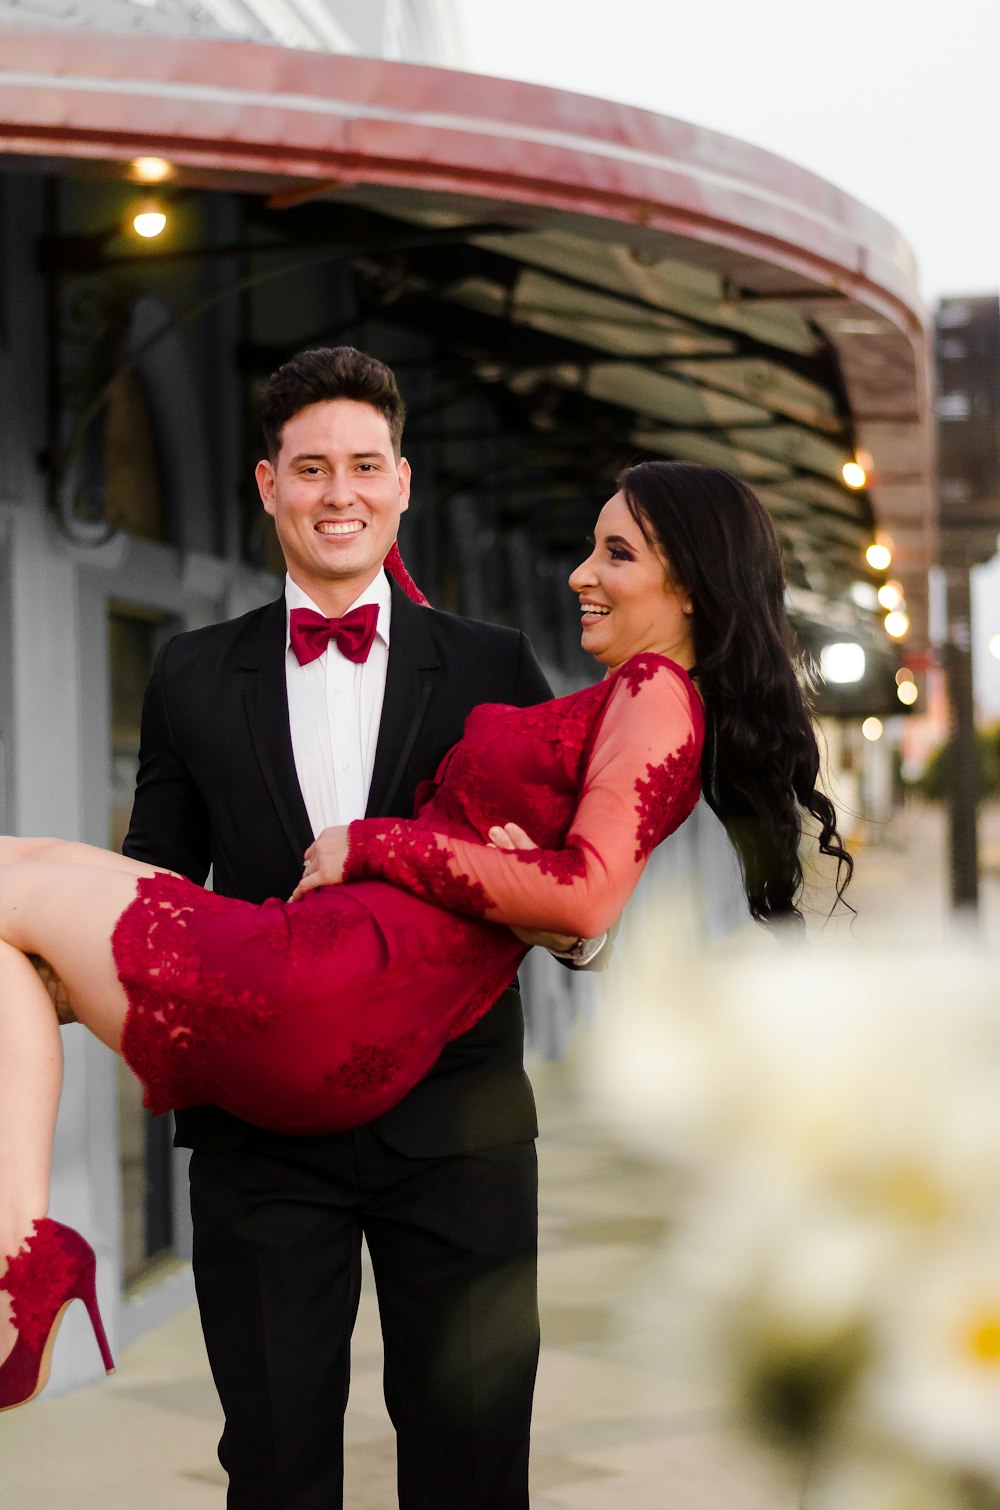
point(53, 1268)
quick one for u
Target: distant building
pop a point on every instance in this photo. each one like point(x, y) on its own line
point(419, 31)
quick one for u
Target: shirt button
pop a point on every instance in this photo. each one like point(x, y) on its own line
point(345, 765)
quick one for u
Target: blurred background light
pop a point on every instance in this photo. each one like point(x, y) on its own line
point(872, 729)
point(896, 624)
point(854, 474)
point(151, 170)
point(878, 556)
point(907, 693)
point(843, 661)
point(890, 595)
point(864, 594)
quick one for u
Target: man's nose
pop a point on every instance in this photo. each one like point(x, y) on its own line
point(339, 490)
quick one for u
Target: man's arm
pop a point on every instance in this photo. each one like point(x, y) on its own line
point(169, 824)
point(575, 953)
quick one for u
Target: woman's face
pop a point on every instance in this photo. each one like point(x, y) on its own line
point(629, 601)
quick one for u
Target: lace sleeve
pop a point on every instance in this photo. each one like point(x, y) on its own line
point(640, 783)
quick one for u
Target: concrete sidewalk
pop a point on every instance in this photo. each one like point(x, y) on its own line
point(622, 1418)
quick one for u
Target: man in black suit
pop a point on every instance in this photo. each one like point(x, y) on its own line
point(247, 754)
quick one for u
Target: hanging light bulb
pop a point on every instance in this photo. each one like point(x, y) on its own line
point(149, 219)
point(890, 595)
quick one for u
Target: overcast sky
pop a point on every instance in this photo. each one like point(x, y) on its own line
point(895, 101)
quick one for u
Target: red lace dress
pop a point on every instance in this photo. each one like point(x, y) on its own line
point(314, 1016)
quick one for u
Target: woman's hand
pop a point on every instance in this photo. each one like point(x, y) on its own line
point(324, 862)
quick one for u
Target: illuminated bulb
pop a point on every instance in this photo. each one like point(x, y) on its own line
point(149, 220)
point(854, 474)
point(907, 693)
point(864, 594)
point(890, 595)
point(872, 729)
point(896, 624)
point(904, 674)
point(995, 645)
point(878, 556)
point(151, 170)
point(842, 662)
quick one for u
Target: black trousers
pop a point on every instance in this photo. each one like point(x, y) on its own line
point(278, 1226)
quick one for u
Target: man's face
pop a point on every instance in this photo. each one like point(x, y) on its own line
point(336, 494)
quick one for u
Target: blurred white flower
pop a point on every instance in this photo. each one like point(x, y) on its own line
point(836, 1120)
point(935, 1377)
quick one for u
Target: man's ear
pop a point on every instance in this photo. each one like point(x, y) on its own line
point(403, 473)
point(264, 473)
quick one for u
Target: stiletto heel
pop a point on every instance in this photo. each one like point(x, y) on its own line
point(54, 1267)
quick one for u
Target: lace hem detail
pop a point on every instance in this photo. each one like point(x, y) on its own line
point(174, 1002)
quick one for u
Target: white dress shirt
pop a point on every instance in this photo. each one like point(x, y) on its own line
point(334, 711)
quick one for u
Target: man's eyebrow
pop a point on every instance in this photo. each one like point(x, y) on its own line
point(321, 456)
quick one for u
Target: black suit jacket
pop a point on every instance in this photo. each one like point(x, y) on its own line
point(217, 789)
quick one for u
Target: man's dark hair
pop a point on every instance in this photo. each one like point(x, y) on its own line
point(329, 372)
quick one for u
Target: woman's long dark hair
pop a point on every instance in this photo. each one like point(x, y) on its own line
point(761, 760)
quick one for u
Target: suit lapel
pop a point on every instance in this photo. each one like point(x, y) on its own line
point(265, 698)
point(411, 676)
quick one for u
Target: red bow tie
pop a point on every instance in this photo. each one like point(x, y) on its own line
point(309, 633)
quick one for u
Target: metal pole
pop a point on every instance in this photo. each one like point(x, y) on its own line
point(962, 793)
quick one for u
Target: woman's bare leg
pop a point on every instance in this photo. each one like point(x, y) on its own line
point(67, 913)
point(30, 1082)
point(64, 852)
point(14, 851)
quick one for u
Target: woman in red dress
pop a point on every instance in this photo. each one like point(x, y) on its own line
point(318, 1013)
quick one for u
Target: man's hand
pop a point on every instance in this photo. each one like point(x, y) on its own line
point(510, 836)
point(324, 862)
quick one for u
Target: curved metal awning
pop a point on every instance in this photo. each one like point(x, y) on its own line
point(628, 284)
